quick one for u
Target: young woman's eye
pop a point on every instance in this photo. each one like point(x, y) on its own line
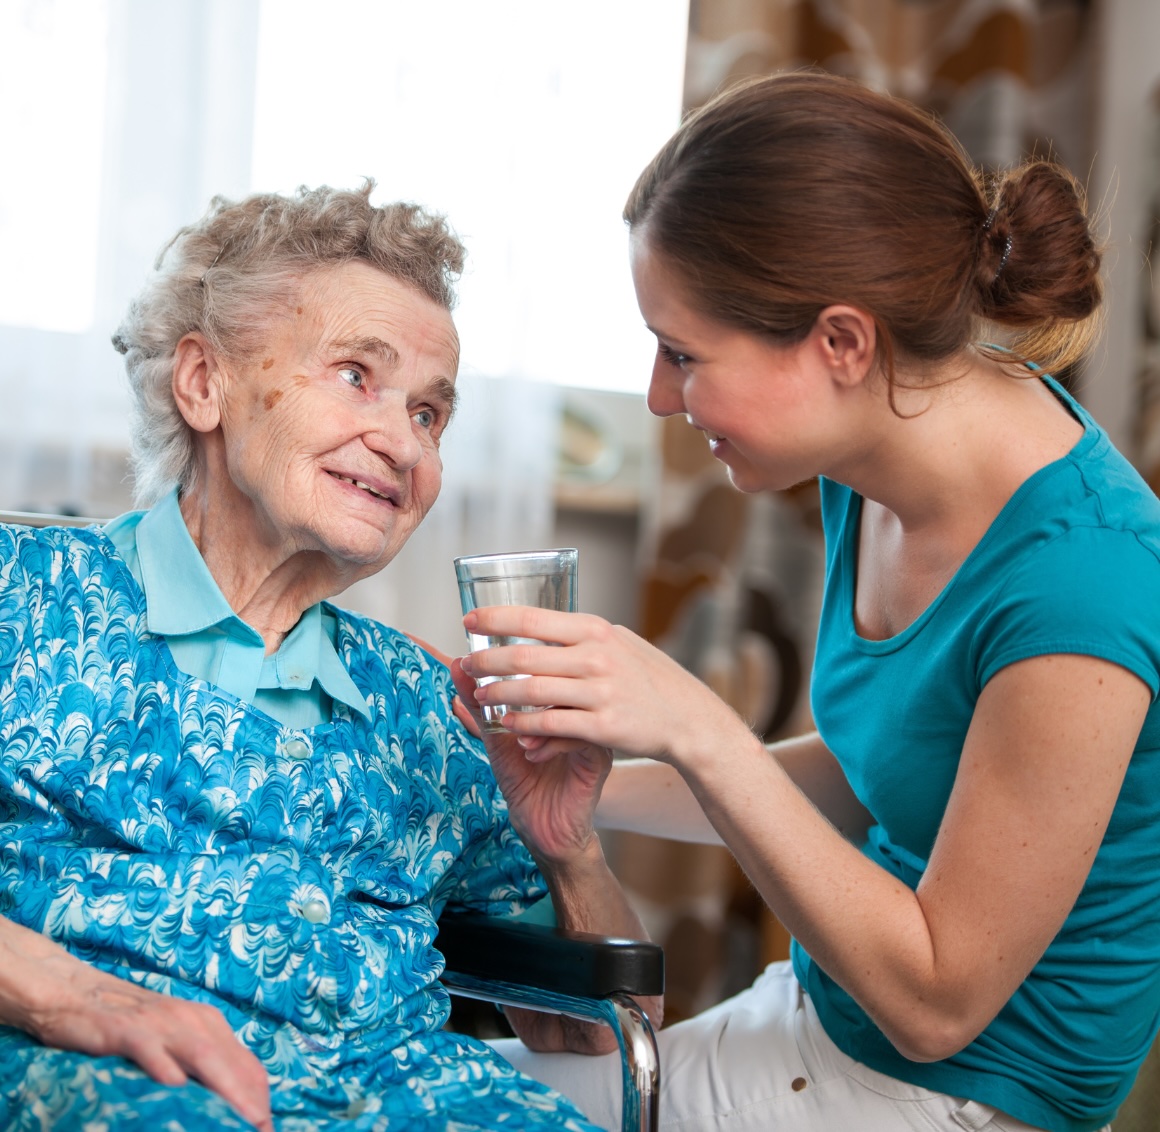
point(355, 378)
point(669, 355)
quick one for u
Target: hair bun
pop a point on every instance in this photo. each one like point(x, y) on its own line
point(1039, 262)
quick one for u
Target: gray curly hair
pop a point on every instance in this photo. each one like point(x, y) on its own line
point(225, 275)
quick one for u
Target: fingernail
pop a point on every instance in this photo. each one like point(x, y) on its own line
point(525, 740)
point(466, 663)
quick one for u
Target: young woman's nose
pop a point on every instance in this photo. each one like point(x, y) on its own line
point(664, 398)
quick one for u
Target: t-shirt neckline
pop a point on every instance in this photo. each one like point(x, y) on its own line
point(852, 525)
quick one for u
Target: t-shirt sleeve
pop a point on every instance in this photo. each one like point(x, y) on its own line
point(1090, 591)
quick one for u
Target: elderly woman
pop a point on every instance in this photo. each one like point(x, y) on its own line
point(230, 813)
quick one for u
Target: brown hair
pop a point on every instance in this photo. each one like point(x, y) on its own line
point(786, 194)
point(224, 276)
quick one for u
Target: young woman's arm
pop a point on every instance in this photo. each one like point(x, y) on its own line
point(643, 796)
point(1041, 769)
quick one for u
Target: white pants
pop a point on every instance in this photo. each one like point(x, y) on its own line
point(760, 1062)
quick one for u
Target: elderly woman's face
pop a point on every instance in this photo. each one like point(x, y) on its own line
point(331, 433)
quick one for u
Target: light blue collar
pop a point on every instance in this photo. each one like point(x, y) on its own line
point(185, 605)
point(180, 593)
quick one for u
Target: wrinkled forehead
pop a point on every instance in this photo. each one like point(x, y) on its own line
point(357, 306)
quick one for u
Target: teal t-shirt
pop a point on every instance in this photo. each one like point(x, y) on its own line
point(1070, 565)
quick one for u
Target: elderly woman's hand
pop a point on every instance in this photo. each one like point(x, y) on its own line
point(552, 803)
point(459, 708)
point(551, 806)
point(67, 1004)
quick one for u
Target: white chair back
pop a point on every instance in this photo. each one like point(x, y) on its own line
point(36, 519)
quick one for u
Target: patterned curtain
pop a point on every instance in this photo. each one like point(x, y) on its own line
point(1147, 439)
point(732, 582)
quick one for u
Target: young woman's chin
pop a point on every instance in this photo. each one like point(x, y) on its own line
point(746, 479)
point(745, 475)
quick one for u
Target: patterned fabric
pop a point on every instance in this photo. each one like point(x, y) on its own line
point(175, 836)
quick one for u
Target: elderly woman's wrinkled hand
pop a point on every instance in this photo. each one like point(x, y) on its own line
point(462, 712)
point(552, 802)
point(71, 1005)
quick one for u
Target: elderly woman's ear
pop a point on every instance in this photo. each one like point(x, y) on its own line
point(197, 383)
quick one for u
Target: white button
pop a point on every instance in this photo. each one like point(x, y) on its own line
point(314, 911)
point(297, 749)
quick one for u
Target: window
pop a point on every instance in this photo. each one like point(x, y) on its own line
point(525, 121)
point(52, 88)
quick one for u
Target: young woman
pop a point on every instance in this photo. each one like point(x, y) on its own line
point(967, 851)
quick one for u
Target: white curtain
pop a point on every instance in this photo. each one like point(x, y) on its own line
point(168, 90)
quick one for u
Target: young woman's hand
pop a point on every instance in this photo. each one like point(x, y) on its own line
point(603, 685)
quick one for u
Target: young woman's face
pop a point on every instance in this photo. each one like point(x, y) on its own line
point(761, 406)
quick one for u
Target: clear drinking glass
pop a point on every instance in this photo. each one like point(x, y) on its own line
point(545, 578)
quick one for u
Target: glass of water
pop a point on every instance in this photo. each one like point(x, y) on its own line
point(545, 578)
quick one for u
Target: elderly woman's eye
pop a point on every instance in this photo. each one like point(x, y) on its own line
point(426, 418)
point(355, 378)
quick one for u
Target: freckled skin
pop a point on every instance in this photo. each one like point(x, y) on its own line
point(273, 397)
point(267, 363)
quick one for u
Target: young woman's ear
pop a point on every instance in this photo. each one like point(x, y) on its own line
point(848, 340)
point(196, 385)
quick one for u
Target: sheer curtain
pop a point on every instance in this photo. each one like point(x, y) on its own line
point(122, 118)
point(150, 116)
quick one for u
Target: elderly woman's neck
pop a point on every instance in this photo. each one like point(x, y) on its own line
point(266, 583)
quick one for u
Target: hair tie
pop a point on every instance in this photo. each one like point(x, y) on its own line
point(1006, 246)
point(1002, 260)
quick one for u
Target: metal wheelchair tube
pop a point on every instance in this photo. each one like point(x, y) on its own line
point(639, 1059)
point(640, 1063)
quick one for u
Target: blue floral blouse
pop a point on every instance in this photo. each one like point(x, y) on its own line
point(173, 835)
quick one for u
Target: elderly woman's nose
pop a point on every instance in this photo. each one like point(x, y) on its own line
point(393, 435)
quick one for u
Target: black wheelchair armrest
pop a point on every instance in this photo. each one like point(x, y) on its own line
point(565, 972)
point(550, 959)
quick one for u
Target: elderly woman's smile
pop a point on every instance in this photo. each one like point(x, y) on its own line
point(318, 453)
